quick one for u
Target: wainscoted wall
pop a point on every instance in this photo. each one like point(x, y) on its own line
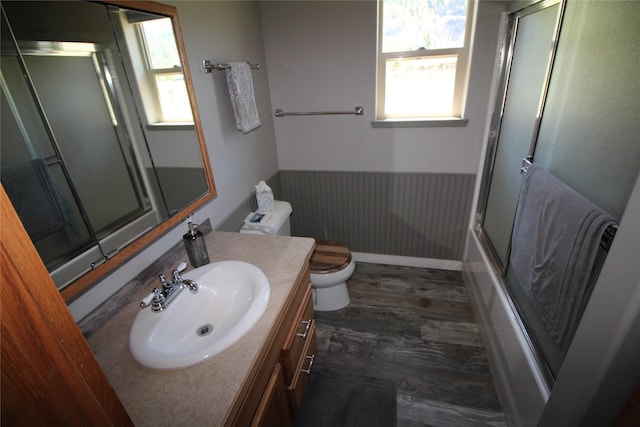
point(176, 183)
point(404, 214)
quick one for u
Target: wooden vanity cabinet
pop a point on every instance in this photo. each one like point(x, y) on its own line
point(278, 380)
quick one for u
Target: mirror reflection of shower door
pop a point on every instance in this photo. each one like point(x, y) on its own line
point(92, 147)
point(532, 46)
point(25, 144)
point(96, 150)
point(88, 157)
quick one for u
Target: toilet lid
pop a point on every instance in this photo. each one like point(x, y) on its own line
point(329, 257)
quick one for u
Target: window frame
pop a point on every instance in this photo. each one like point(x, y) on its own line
point(456, 116)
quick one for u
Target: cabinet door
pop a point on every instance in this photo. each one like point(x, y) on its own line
point(49, 375)
point(273, 409)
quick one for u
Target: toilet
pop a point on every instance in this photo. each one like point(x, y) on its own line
point(331, 267)
point(331, 263)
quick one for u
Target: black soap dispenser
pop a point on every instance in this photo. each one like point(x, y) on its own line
point(196, 247)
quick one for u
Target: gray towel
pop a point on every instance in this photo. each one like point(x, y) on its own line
point(242, 97)
point(555, 240)
point(34, 197)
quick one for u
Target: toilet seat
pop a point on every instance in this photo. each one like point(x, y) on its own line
point(329, 257)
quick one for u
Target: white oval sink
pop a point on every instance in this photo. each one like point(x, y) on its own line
point(232, 297)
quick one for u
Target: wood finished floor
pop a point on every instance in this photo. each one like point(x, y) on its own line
point(413, 327)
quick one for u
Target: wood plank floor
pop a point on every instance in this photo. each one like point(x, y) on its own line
point(413, 327)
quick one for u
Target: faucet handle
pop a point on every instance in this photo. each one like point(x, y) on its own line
point(147, 300)
point(176, 273)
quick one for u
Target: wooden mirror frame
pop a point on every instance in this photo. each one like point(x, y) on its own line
point(76, 288)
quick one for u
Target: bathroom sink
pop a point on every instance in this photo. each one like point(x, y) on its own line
point(231, 298)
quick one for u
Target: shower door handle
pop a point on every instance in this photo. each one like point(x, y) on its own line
point(526, 164)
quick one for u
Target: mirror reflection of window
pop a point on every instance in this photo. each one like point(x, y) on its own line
point(163, 67)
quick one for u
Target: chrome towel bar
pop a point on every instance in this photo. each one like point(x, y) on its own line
point(358, 111)
point(209, 67)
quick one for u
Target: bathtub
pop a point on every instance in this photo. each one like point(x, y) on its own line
point(520, 383)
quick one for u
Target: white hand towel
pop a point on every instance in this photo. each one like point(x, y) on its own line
point(242, 98)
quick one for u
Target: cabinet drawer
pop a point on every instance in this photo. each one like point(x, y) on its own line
point(298, 336)
point(303, 371)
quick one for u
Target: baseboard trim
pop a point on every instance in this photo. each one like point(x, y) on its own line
point(406, 261)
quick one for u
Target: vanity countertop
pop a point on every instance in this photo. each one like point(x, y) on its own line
point(201, 394)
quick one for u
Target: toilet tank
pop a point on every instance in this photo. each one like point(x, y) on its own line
point(276, 222)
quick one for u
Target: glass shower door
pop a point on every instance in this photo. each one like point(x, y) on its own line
point(513, 138)
point(533, 37)
point(578, 120)
point(588, 135)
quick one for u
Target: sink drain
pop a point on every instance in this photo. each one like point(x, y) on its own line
point(204, 330)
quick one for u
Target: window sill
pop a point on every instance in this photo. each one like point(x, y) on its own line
point(170, 126)
point(419, 123)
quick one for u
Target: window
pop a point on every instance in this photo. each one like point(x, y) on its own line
point(165, 71)
point(423, 56)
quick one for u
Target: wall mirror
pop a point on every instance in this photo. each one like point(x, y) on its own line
point(102, 149)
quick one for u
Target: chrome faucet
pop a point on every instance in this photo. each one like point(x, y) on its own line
point(191, 285)
point(162, 296)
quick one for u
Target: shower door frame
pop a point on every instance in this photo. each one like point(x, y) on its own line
point(507, 50)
